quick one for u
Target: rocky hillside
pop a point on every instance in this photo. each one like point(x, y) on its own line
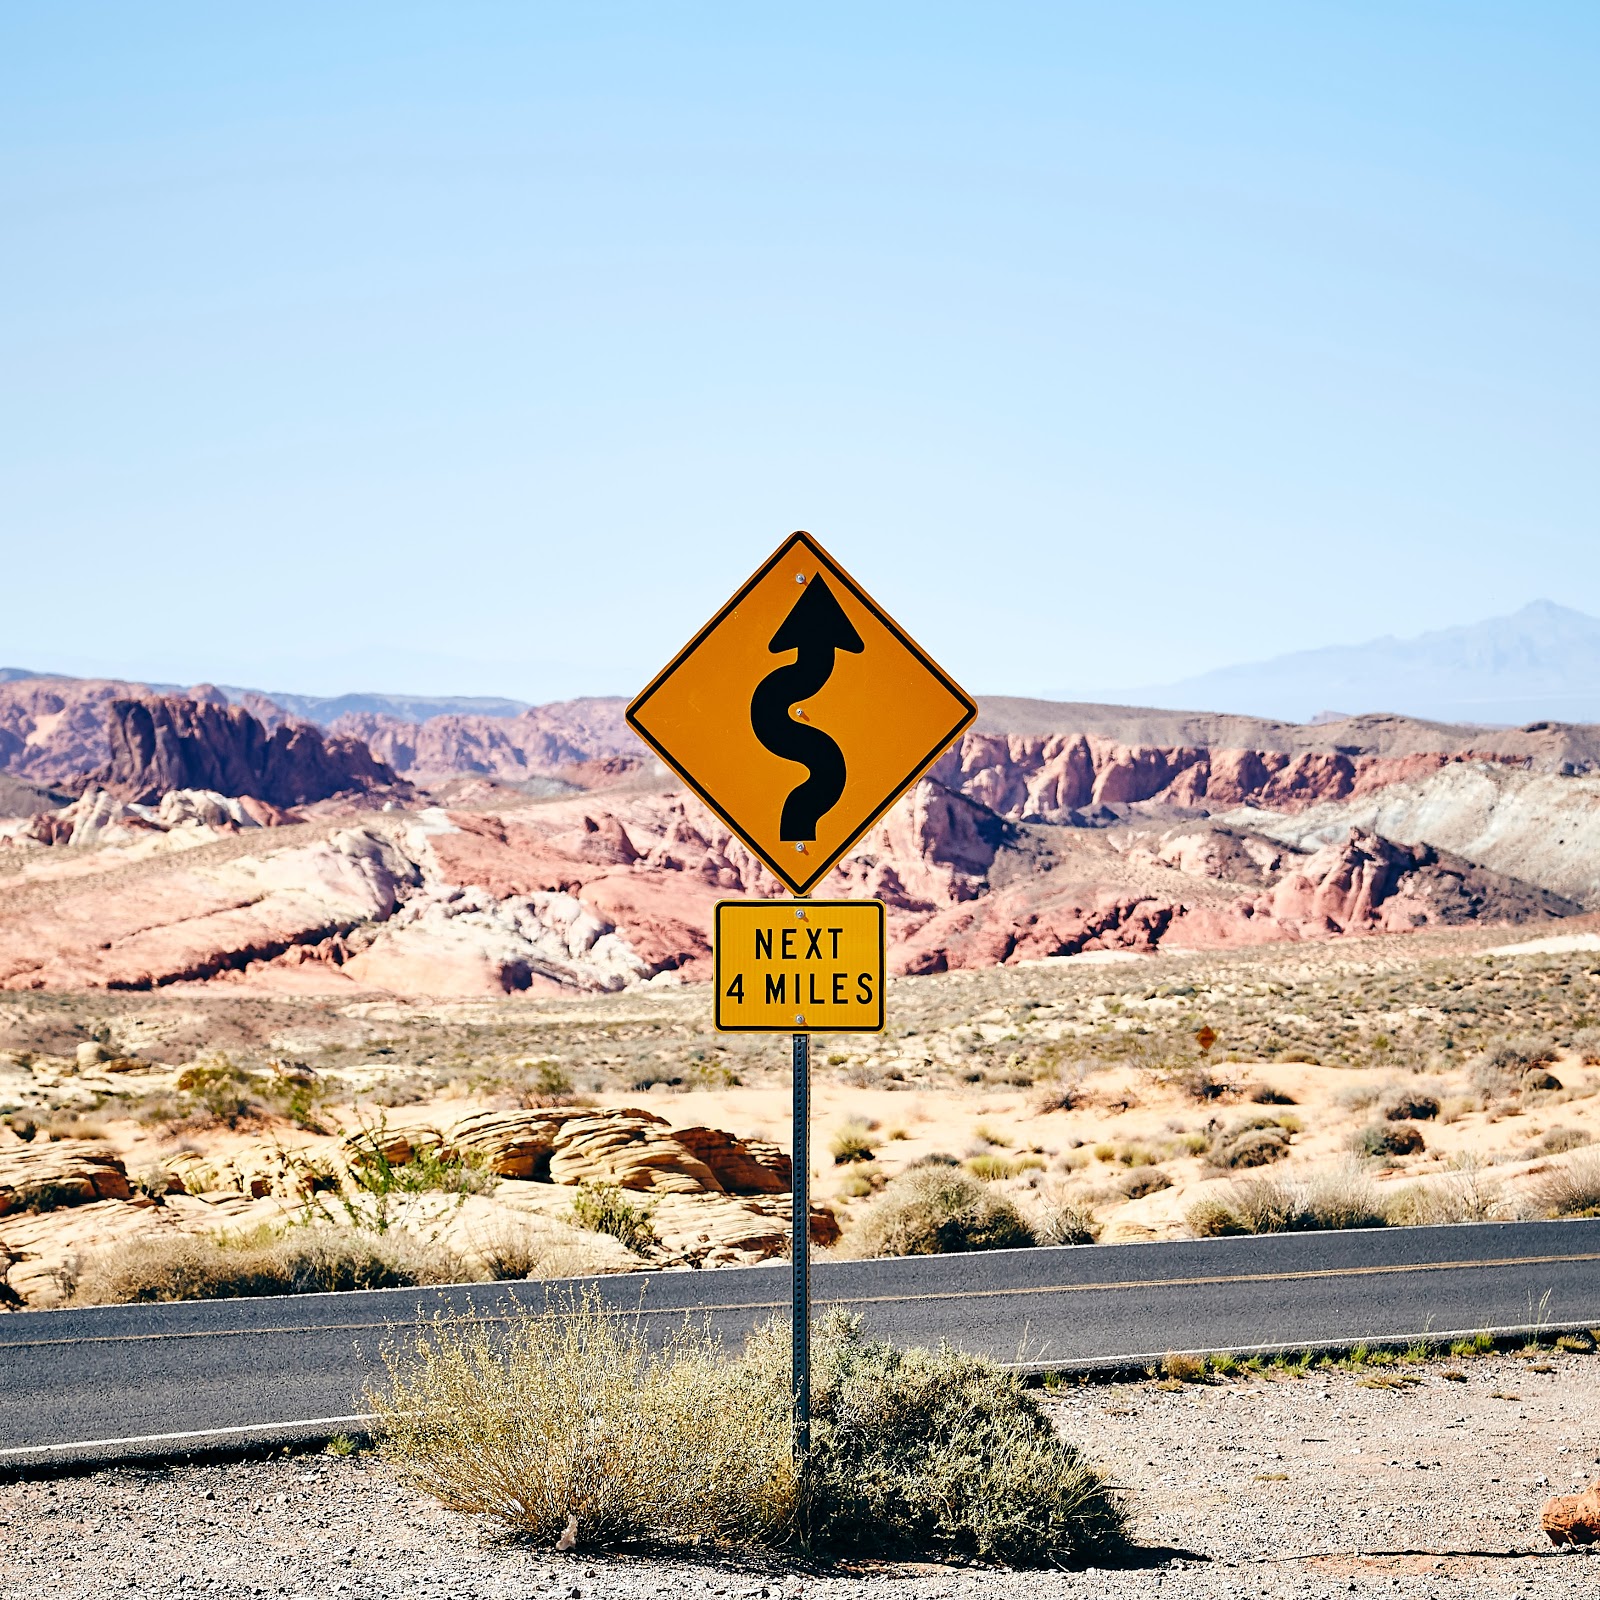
point(67, 733)
point(567, 740)
point(570, 895)
point(544, 870)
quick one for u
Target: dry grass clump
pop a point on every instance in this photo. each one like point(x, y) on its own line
point(854, 1141)
point(1341, 1198)
point(1572, 1190)
point(311, 1260)
point(1058, 1219)
point(574, 1417)
point(514, 1250)
point(1471, 1193)
point(573, 1423)
point(993, 1168)
point(936, 1210)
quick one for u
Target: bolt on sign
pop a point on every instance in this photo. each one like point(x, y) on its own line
point(800, 713)
point(807, 966)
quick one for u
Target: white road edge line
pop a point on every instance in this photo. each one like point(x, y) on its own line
point(201, 1433)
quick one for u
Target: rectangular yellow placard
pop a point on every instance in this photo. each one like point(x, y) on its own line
point(799, 966)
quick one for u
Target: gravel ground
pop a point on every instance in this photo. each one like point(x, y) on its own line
point(1304, 1487)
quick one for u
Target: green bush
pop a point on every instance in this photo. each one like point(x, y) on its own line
point(930, 1211)
point(604, 1208)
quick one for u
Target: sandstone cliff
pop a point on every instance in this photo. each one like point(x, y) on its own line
point(164, 743)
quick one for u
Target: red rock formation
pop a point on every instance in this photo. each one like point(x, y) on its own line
point(583, 738)
point(164, 743)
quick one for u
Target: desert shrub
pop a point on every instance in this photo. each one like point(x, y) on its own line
point(1572, 1190)
point(1501, 1069)
point(1201, 1083)
point(1469, 1194)
point(574, 1415)
point(604, 1208)
point(573, 1420)
point(1059, 1097)
point(852, 1142)
point(941, 1453)
point(1142, 1181)
point(930, 1211)
point(1411, 1107)
point(215, 1091)
point(1058, 1220)
point(427, 1170)
point(1387, 1139)
point(310, 1260)
point(1358, 1096)
point(1254, 1142)
point(1183, 1368)
point(1263, 1094)
point(516, 1250)
point(1559, 1140)
point(542, 1083)
point(1341, 1198)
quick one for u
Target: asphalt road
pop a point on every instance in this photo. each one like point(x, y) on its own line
point(117, 1381)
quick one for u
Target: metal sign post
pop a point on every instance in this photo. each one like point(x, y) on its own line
point(800, 1248)
point(800, 670)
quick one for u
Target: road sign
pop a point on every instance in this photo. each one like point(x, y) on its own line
point(810, 966)
point(800, 713)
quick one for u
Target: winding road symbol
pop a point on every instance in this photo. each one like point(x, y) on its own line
point(797, 751)
point(815, 629)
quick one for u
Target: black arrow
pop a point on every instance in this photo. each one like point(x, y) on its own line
point(815, 628)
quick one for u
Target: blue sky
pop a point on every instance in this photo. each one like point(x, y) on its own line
point(486, 348)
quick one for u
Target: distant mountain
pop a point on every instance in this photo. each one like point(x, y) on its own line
point(1539, 663)
point(408, 707)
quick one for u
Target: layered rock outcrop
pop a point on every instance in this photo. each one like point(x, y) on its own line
point(165, 743)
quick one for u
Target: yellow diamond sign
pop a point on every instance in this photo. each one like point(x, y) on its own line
point(800, 713)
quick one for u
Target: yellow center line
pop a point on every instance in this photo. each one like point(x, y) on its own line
point(859, 1300)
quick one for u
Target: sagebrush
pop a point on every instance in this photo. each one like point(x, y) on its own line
point(581, 1419)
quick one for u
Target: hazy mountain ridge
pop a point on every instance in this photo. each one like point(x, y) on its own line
point(1542, 662)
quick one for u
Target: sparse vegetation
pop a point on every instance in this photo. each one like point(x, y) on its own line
point(571, 1422)
point(1387, 1139)
point(1253, 1142)
point(604, 1208)
point(931, 1211)
point(1057, 1219)
point(308, 1260)
point(1570, 1190)
point(1341, 1198)
point(854, 1141)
